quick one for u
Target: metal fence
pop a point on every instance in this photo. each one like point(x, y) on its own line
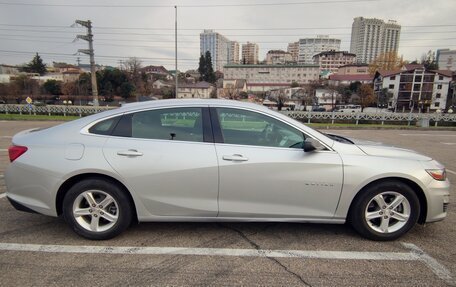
point(423, 119)
point(52, 110)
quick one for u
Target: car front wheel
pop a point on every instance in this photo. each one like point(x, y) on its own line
point(385, 211)
point(97, 209)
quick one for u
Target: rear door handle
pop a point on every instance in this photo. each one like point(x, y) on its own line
point(235, 157)
point(130, 153)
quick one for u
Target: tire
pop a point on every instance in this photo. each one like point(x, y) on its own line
point(97, 209)
point(385, 211)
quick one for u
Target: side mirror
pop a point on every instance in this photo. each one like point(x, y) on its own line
point(308, 146)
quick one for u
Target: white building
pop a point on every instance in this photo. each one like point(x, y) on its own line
point(414, 87)
point(267, 77)
point(218, 45)
point(200, 90)
point(326, 98)
point(274, 57)
point(331, 60)
point(308, 47)
point(372, 37)
point(446, 59)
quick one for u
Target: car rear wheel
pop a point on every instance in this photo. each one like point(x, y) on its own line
point(385, 211)
point(97, 209)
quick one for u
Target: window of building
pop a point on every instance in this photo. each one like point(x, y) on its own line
point(439, 87)
point(391, 86)
point(440, 78)
point(416, 87)
point(437, 104)
point(438, 95)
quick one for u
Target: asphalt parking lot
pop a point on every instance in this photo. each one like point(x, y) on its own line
point(42, 251)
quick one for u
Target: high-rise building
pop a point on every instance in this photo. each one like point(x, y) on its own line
point(293, 49)
point(233, 52)
point(250, 53)
point(309, 47)
point(217, 45)
point(372, 37)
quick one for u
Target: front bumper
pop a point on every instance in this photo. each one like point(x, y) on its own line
point(438, 198)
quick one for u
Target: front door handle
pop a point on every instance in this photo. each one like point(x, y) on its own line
point(235, 157)
point(129, 153)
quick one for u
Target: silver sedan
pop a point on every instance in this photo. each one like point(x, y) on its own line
point(217, 160)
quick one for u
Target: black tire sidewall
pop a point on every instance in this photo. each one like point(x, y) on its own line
point(357, 216)
point(123, 202)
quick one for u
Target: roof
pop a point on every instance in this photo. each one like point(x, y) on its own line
point(355, 65)
point(198, 85)
point(333, 52)
point(361, 77)
point(272, 66)
point(409, 67)
point(268, 84)
point(446, 73)
point(386, 73)
point(277, 52)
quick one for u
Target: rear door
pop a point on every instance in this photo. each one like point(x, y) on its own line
point(167, 157)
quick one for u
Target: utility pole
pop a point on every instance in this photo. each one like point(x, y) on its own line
point(176, 74)
point(89, 38)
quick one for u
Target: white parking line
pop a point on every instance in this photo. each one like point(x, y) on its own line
point(441, 271)
point(415, 254)
point(2, 195)
point(448, 143)
point(1, 176)
point(451, 171)
point(344, 255)
point(7, 137)
point(3, 149)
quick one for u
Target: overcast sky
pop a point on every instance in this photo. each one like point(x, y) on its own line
point(145, 28)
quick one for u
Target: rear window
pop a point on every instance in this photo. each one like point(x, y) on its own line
point(104, 127)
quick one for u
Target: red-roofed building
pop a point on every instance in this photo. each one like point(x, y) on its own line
point(414, 88)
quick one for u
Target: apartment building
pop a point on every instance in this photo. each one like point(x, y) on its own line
point(233, 52)
point(250, 53)
point(308, 47)
point(274, 57)
point(293, 49)
point(267, 77)
point(330, 61)
point(218, 45)
point(414, 87)
point(371, 37)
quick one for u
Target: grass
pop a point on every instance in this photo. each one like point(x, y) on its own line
point(27, 117)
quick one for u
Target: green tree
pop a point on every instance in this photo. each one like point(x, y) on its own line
point(126, 90)
point(53, 87)
point(294, 84)
point(205, 68)
point(36, 65)
point(428, 60)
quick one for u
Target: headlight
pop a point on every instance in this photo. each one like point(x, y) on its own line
point(437, 174)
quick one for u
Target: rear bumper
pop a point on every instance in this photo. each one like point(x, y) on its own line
point(19, 206)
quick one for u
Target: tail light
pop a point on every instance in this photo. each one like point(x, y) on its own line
point(16, 151)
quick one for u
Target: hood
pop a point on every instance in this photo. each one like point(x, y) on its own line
point(390, 151)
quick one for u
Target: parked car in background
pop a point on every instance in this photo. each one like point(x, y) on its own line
point(349, 108)
point(217, 160)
